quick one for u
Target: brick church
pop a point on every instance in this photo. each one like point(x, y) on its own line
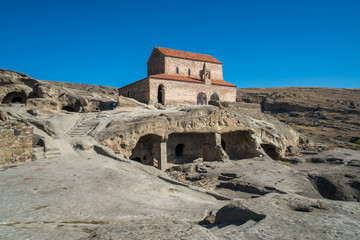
point(179, 77)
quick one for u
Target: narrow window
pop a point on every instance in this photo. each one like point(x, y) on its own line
point(189, 72)
point(200, 74)
point(177, 70)
point(128, 94)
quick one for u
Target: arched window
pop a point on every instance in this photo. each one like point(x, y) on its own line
point(214, 97)
point(177, 70)
point(201, 99)
point(161, 94)
point(189, 72)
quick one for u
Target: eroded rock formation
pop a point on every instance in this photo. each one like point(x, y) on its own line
point(186, 130)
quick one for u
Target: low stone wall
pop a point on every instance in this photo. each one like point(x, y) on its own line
point(16, 139)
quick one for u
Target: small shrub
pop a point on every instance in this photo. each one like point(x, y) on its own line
point(355, 140)
point(225, 104)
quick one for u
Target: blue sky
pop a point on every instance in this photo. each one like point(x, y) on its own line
point(261, 43)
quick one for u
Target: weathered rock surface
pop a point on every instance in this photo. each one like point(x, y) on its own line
point(277, 188)
point(287, 217)
point(50, 96)
point(122, 134)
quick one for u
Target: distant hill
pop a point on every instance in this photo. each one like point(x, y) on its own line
point(330, 115)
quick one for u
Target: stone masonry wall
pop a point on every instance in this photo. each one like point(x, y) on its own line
point(177, 92)
point(156, 64)
point(138, 90)
point(194, 66)
point(16, 139)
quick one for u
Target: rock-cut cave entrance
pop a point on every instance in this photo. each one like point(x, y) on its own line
point(15, 97)
point(147, 150)
point(271, 151)
point(182, 148)
point(68, 108)
point(238, 145)
point(185, 147)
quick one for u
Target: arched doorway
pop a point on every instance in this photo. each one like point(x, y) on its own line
point(201, 99)
point(161, 94)
point(214, 97)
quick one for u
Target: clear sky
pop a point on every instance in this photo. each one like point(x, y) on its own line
point(268, 43)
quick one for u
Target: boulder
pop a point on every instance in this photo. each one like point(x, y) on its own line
point(124, 102)
point(3, 116)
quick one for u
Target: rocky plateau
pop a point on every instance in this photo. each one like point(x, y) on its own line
point(234, 171)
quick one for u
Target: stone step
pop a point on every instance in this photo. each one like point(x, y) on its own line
point(79, 131)
point(51, 149)
point(49, 155)
point(89, 124)
point(38, 150)
point(83, 127)
point(38, 153)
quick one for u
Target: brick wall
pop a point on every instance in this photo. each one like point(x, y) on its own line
point(138, 90)
point(16, 139)
point(195, 66)
point(183, 92)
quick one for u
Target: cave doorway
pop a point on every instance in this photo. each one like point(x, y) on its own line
point(238, 145)
point(15, 97)
point(270, 150)
point(147, 150)
point(179, 149)
point(223, 144)
point(68, 108)
point(185, 147)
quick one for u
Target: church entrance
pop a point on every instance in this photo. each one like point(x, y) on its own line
point(161, 94)
point(201, 99)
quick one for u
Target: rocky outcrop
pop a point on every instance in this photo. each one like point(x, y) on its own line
point(286, 217)
point(122, 135)
point(52, 97)
point(15, 87)
point(236, 212)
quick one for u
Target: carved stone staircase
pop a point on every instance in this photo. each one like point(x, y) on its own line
point(84, 126)
point(49, 153)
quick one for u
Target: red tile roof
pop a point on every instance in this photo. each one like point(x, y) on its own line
point(190, 79)
point(187, 55)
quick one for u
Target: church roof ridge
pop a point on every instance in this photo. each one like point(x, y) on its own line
point(187, 55)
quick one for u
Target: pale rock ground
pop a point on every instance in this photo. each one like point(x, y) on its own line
point(81, 194)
